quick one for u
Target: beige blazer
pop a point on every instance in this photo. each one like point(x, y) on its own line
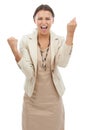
point(60, 54)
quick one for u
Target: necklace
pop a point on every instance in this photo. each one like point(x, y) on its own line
point(44, 57)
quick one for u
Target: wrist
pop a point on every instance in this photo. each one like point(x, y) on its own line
point(17, 55)
point(69, 39)
point(69, 34)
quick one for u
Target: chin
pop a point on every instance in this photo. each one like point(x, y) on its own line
point(44, 33)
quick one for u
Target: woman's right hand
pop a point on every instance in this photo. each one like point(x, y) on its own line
point(13, 45)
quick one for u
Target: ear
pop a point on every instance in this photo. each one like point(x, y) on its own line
point(35, 20)
point(52, 20)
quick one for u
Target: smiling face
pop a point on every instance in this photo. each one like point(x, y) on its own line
point(44, 21)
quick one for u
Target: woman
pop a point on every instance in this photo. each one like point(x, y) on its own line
point(40, 55)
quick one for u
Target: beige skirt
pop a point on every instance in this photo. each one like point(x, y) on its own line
point(44, 110)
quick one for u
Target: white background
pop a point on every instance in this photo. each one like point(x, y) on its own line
point(16, 20)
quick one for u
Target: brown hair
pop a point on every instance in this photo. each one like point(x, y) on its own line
point(43, 7)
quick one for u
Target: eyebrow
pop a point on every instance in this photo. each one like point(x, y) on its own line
point(42, 17)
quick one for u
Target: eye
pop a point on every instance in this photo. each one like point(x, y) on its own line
point(48, 18)
point(40, 18)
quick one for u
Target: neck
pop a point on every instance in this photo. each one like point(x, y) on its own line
point(43, 41)
point(41, 36)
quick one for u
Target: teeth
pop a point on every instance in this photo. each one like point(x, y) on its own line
point(44, 27)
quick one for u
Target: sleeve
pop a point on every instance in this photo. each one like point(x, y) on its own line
point(63, 53)
point(25, 64)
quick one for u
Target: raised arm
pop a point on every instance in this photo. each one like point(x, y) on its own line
point(22, 57)
point(71, 26)
point(65, 47)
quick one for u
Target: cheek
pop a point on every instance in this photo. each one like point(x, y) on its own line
point(36, 22)
point(50, 23)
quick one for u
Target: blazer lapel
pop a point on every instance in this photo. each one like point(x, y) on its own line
point(54, 42)
point(33, 48)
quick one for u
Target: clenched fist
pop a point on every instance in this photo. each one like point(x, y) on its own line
point(13, 45)
point(71, 26)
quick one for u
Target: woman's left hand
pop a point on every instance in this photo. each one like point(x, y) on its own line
point(71, 26)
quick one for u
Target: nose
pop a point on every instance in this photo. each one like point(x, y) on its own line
point(43, 21)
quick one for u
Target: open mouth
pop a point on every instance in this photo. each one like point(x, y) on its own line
point(44, 27)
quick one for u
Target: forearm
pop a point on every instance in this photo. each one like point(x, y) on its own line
point(25, 64)
point(63, 55)
point(69, 39)
point(17, 55)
